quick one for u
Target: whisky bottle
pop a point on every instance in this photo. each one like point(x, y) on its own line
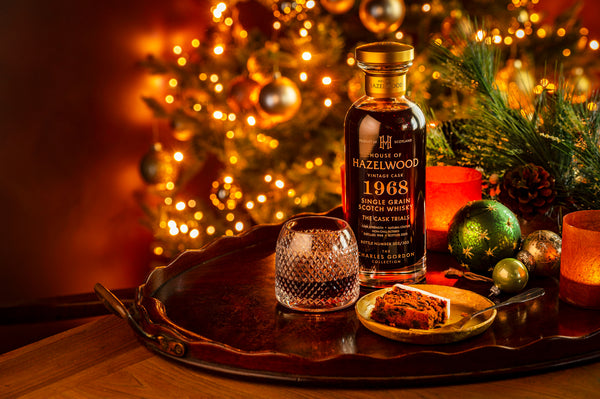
point(384, 198)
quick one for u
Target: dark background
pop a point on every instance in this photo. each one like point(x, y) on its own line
point(73, 130)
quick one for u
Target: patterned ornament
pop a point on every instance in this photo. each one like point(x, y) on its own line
point(528, 190)
point(337, 6)
point(279, 99)
point(243, 94)
point(510, 276)
point(540, 253)
point(481, 233)
point(157, 166)
point(382, 16)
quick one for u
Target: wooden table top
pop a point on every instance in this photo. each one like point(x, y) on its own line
point(104, 359)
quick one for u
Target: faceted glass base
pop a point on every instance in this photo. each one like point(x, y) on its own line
point(411, 274)
point(316, 265)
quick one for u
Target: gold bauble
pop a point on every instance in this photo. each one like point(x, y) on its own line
point(382, 16)
point(157, 166)
point(337, 6)
point(280, 99)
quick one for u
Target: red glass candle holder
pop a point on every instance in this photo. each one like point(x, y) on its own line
point(580, 259)
point(448, 189)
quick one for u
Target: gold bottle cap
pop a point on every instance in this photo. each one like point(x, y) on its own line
point(384, 53)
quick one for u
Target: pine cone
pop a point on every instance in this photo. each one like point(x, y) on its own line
point(527, 190)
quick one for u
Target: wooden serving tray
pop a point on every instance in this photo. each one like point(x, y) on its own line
point(215, 308)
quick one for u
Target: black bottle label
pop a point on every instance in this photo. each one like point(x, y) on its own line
point(385, 185)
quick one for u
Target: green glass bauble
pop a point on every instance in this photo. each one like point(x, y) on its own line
point(482, 233)
point(510, 275)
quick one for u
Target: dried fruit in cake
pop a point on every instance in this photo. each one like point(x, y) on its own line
point(408, 307)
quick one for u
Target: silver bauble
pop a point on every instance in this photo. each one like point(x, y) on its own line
point(540, 253)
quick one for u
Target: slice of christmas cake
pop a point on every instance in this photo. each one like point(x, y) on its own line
point(408, 307)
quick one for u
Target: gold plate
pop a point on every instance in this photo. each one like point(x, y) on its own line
point(461, 302)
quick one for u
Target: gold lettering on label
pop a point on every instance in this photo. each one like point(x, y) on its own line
point(384, 165)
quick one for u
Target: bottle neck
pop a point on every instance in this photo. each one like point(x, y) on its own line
point(385, 80)
point(385, 85)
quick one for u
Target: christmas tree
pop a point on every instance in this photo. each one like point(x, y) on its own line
point(259, 99)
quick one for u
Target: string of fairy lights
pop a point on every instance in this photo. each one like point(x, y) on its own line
point(182, 220)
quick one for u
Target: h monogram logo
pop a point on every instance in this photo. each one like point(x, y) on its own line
point(385, 142)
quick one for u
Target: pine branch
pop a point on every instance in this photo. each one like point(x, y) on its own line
point(560, 135)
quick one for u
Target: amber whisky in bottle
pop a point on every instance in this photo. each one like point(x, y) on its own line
point(384, 198)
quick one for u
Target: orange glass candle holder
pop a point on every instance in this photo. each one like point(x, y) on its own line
point(448, 189)
point(580, 259)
